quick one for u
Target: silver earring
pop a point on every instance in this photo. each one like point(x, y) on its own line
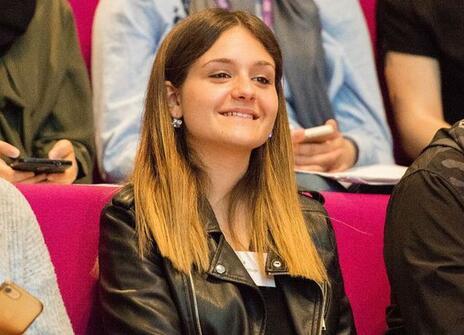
point(176, 122)
point(270, 135)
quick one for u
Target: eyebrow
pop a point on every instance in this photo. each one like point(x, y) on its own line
point(230, 61)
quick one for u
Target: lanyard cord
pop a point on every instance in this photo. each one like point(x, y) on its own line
point(263, 9)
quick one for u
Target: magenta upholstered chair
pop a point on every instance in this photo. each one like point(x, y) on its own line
point(358, 220)
point(83, 13)
point(69, 217)
point(368, 7)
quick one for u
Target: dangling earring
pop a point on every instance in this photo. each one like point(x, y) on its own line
point(176, 122)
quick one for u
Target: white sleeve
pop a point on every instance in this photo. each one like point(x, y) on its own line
point(126, 36)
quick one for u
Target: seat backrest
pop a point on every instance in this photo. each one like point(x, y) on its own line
point(358, 221)
point(368, 7)
point(83, 13)
point(69, 219)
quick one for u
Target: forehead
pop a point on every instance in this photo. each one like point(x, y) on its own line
point(238, 44)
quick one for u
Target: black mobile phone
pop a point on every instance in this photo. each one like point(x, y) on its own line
point(41, 165)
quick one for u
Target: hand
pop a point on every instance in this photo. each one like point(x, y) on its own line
point(13, 176)
point(329, 153)
point(63, 149)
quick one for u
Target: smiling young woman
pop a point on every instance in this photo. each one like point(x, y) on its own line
point(212, 237)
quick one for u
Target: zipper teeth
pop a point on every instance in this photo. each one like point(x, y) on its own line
point(195, 305)
point(323, 288)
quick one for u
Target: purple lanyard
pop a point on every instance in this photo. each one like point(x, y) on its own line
point(263, 9)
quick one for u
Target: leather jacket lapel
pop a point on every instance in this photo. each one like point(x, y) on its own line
point(226, 265)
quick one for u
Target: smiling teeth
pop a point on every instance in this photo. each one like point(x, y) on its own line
point(242, 115)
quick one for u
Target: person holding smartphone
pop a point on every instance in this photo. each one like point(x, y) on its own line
point(45, 101)
point(27, 271)
point(329, 78)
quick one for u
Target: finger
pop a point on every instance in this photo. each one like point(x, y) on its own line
point(297, 135)
point(335, 134)
point(333, 123)
point(66, 177)
point(325, 160)
point(13, 176)
point(309, 168)
point(311, 149)
point(61, 150)
point(34, 179)
point(8, 150)
point(56, 177)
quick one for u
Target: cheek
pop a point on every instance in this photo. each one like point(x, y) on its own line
point(271, 106)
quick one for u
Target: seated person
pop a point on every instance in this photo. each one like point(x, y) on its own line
point(423, 55)
point(26, 262)
point(45, 102)
point(424, 240)
point(329, 74)
point(195, 246)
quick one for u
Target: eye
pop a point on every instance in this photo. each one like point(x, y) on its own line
point(220, 75)
point(263, 80)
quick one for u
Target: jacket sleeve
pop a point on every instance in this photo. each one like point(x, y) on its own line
point(339, 317)
point(71, 117)
point(345, 323)
point(424, 253)
point(133, 291)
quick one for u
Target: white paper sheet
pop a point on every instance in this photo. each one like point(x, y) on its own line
point(370, 174)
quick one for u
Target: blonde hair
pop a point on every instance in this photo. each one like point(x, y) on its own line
point(169, 182)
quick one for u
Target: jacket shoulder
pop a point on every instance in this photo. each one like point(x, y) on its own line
point(311, 201)
point(124, 198)
point(317, 221)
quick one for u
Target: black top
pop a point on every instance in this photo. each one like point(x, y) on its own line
point(424, 241)
point(278, 318)
point(432, 28)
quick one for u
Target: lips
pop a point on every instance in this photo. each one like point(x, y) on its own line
point(240, 113)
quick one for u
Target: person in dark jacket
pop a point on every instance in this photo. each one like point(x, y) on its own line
point(424, 240)
point(211, 236)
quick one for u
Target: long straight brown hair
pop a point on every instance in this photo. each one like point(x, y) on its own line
point(169, 182)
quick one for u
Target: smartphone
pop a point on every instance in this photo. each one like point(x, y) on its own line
point(41, 165)
point(18, 309)
point(318, 132)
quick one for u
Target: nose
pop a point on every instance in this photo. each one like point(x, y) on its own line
point(243, 89)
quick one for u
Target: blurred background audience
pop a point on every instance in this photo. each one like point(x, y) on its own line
point(421, 43)
point(329, 77)
point(45, 99)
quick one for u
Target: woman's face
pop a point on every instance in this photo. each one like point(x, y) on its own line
point(228, 100)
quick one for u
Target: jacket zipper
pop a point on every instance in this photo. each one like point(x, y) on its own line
point(324, 306)
point(195, 305)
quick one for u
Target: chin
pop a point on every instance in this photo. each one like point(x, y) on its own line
point(250, 144)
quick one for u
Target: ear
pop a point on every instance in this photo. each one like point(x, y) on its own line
point(172, 95)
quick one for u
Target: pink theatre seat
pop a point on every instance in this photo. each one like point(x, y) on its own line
point(69, 219)
point(83, 13)
point(358, 220)
point(368, 7)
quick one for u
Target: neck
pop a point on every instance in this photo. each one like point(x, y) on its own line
point(224, 170)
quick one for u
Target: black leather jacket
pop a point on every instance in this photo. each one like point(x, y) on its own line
point(148, 296)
